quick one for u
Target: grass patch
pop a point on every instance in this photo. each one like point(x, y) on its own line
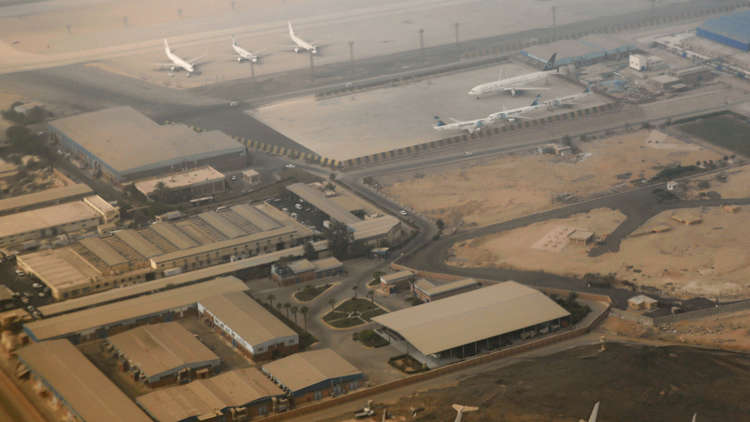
point(726, 130)
point(373, 282)
point(352, 312)
point(406, 364)
point(370, 338)
point(309, 293)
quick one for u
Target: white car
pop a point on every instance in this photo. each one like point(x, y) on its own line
point(403, 212)
point(20, 273)
point(37, 285)
point(290, 166)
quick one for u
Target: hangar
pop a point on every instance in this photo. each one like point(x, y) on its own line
point(586, 50)
point(732, 30)
point(125, 144)
point(463, 325)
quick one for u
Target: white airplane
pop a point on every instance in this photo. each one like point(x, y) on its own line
point(179, 63)
point(468, 126)
point(243, 54)
point(516, 113)
point(515, 84)
point(567, 100)
point(300, 44)
point(460, 410)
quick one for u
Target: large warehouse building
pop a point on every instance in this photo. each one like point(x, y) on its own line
point(732, 30)
point(586, 50)
point(484, 319)
point(125, 145)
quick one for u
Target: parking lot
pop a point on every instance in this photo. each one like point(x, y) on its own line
point(29, 292)
point(300, 210)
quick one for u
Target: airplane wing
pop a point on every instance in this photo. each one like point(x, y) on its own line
point(525, 88)
point(594, 413)
point(454, 120)
point(195, 60)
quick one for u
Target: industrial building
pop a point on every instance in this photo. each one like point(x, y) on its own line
point(74, 382)
point(164, 353)
point(238, 395)
point(200, 181)
point(643, 63)
point(374, 230)
point(71, 217)
point(313, 375)
point(250, 327)
point(732, 30)
point(466, 324)
point(53, 196)
point(587, 50)
point(394, 282)
point(305, 270)
point(427, 291)
point(165, 248)
point(119, 316)
point(125, 145)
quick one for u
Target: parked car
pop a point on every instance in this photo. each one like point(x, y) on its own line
point(403, 212)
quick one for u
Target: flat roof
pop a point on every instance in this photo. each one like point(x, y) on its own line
point(301, 266)
point(92, 318)
point(433, 289)
point(221, 224)
point(42, 218)
point(206, 396)
point(256, 217)
point(136, 241)
point(129, 142)
point(161, 348)
point(395, 277)
point(472, 316)
point(103, 250)
point(174, 235)
point(305, 369)
point(326, 264)
point(246, 317)
point(378, 226)
point(79, 383)
point(197, 176)
point(49, 195)
point(60, 268)
point(324, 204)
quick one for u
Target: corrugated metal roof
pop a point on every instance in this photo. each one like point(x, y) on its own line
point(302, 370)
point(319, 201)
point(468, 317)
point(79, 383)
point(431, 289)
point(48, 195)
point(735, 26)
point(44, 218)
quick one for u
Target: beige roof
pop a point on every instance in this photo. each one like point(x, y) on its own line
point(43, 218)
point(61, 268)
point(396, 277)
point(103, 251)
point(204, 397)
point(581, 235)
point(161, 348)
point(50, 195)
point(366, 229)
point(99, 204)
point(113, 313)
point(305, 369)
point(174, 235)
point(136, 241)
point(256, 217)
point(432, 289)
point(247, 318)
point(129, 142)
point(472, 316)
point(221, 224)
point(5, 293)
point(194, 177)
point(249, 173)
point(642, 299)
point(326, 264)
point(80, 384)
point(319, 201)
point(301, 266)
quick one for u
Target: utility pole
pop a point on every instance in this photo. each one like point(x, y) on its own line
point(455, 26)
point(421, 39)
point(351, 52)
point(252, 69)
point(312, 64)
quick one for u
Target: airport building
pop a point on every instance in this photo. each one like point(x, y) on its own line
point(248, 325)
point(101, 321)
point(732, 30)
point(238, 395)
point(470, 323)
point(76, 385)
point(47, 197)
point(305, 270)
point(314, 375)
point(165, 353)
point(71, 217)
point(201, 181)
point(125, 145)
point(582, 51)
point(427, 291)
point(397, 281)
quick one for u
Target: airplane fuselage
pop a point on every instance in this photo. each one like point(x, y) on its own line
point(508, 84)
point(469, 126)
point(177, 61)
point(300, 44)
point(243, 54)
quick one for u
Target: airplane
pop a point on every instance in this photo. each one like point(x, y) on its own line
point(460, 410)
point(177, 62)
point(243, 54)
point(567, 100)
point(516, 113)
point(515, 85)
point(469, 126)
point(300, 44)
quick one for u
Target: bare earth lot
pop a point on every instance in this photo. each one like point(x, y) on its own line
point(710, 259)
point(483, 192)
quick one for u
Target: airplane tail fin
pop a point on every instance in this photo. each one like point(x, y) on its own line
point(291, 30)
point(166, 45)
point(439, 121)
point(594, 413)
point(551, 62)
point(234, 41)
point(536, 100)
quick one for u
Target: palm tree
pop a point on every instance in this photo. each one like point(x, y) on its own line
point(371, 295)
point(376, 276)
point(286, 308)
point(304, 310)
point(271, 297)
point(293, 308)
point(278, 306)
point(332, 303)
point(354, 289)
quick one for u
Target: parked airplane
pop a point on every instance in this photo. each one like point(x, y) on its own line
point(568, 100)
point(516, 113)
point(469, 126)
point(300, 44)
point(177, 62)
point(515, 84)
point(460, 410)
point(243, 54)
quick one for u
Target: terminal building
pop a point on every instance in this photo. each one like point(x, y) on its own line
point(470, 323)
point(732, 30)
point(238, 395)
point(75, 384)
point(314, 375)
point(249, 326)
point(125, 145)
point(164, 353)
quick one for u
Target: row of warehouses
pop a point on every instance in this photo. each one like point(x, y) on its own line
point(145, 337)
point(165, 248)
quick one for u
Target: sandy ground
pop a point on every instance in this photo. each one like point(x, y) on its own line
point(737, 184)
point(729, 331)
point(489, 191)
point(384, 119)
point(709, 259)
point(72, 31)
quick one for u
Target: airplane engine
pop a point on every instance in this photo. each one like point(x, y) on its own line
point(172, 68)
point(239, 59)
point(296, 49)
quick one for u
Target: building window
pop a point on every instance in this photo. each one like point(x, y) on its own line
point(317, 395)
point(262, 410)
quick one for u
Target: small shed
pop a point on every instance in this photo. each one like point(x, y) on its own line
point(581, 237)
point(642, 302)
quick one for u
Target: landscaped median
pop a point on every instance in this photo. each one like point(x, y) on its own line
point(308, 293)
point(353, 312)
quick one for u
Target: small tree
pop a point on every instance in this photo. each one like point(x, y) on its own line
point(332, 303)
point(310, 252)
point(271, 297)
point(376, 276)
point(354, 289)
point(371, 296)
point(294, 309)
point(440, 224)
point(279, 306)
point(304, 310)
point(286, 308)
